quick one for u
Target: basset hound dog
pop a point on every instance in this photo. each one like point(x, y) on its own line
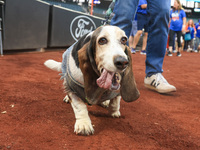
point(97, 69)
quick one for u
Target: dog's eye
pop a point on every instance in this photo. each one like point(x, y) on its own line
point(103, 41)
point(123, 40)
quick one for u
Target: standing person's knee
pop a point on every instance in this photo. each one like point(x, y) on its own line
point(146, 33)
point(139, 32)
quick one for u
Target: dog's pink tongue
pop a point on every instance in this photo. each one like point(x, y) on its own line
point(105, 80)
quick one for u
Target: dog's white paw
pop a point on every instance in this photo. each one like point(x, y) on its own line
point(66, 99)
point(83, 127)
point(116, 114)
point(105, 104)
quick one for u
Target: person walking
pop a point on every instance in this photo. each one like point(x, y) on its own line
point(142, 20)
point(177, 26)
point(190, 29)
point(158, 13)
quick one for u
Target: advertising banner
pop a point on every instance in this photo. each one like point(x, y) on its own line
point(68, 26)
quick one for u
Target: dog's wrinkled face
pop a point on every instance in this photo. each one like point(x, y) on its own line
point(111, 58)
point(106, 64)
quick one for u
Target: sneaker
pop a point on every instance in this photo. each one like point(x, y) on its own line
point(143, 52)
point(158, 83)
point(174, 51)
point(137, 50)
point(169, 53)
point(195, 51)
point(178, 54)
point(133, 51)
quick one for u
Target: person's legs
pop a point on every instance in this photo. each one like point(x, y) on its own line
point(131, 37)
point(197, 43)
point(144, 44)
point(186, 45)
point(136, 38)
point(189, 46)
point(157, 37)
point(141, 21)
point(192, 44)
point(179, 34)
point(130, 41)
point(156, 45)
point(134, 27)
point(171, 42)
point(174, 47)
point(124, 14)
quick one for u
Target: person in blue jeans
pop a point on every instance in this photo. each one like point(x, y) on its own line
point(158, 13)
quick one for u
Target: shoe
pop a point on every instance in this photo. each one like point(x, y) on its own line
point(169, 54)
point(195, 51)
point(143, 52)
point(178, 54)
point(137, 50)
point(133, 51)
point(174, 51)
point(189, 50)
point(158, 83)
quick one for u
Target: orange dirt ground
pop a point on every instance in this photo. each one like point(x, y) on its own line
point(34, 117)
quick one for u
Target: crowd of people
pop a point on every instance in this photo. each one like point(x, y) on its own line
point(183, 35)
point(193, 42)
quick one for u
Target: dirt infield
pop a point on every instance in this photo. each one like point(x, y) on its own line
point(34, 117)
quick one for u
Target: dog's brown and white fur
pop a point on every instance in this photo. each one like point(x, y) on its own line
point(102, 63)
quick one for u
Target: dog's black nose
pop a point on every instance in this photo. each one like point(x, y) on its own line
point(121, 62)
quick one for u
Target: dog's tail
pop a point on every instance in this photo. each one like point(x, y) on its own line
point(54, 65)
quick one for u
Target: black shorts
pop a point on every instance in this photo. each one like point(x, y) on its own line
point(142, 22)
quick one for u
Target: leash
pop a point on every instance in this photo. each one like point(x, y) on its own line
point(108, 13)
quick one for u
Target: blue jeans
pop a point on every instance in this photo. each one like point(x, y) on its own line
point(158, 13)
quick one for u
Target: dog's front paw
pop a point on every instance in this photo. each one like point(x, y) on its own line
point(83, 127)
point(116, 114)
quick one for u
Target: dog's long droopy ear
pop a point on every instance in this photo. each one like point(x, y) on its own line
point(129, 91)
point(89, 75)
